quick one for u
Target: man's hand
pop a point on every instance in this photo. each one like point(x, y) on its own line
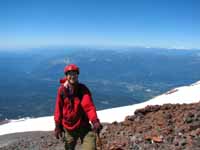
point(97, 127)
point(58, 132)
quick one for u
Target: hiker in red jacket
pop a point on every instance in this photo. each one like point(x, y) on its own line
point(74, 111)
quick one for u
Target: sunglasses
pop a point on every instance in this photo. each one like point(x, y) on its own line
point(72, 73)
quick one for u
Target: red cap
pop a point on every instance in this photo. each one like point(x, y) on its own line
point(71, 67)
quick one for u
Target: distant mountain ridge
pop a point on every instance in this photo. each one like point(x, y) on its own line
point(116, 77)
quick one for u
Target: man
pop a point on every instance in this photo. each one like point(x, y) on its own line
point(74, 111)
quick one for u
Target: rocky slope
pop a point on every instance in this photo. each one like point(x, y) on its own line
point(174, 127)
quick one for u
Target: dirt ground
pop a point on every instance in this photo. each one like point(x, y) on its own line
point(174, 127)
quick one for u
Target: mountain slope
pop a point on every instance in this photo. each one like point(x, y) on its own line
point(157, 126)
point(170, 126)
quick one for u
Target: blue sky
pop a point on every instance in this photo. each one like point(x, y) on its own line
point(154, 23)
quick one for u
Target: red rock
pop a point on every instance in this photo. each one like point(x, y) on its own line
point(157, 139)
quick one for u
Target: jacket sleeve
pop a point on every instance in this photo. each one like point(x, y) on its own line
point(58, 113)
point(88, 106)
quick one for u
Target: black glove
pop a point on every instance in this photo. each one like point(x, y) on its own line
point(97, 127)
point(58, 132)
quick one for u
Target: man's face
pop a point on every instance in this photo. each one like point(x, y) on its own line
point(72, 77)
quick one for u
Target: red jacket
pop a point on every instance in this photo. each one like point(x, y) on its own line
point(76, 113)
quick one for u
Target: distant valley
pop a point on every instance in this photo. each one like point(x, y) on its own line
point(117, 77)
